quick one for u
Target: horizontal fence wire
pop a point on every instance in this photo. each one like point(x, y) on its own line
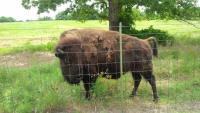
point(99, 27)
point(163, 68)
point(40, 28)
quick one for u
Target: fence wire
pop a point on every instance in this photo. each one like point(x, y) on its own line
point(39, 84)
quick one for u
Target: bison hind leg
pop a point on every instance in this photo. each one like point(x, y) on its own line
point(152, 81)
point(137, 78)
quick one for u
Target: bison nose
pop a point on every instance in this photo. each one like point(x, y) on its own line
point(56, 54)
point(109, 57)
point(59, 55)
point(80, 77)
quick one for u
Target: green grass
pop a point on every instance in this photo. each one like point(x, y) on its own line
point(182, 31)
point(172, 26)
point(44, 29)
point(40, 87)
point(25, 90)
point(48, 29)
point(29, 47)
point(39, 35)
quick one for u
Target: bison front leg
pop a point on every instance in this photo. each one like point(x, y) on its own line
point(89, 82)
point(137, 78)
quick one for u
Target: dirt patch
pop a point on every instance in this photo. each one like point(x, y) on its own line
point(4, 43)
point(135, 106)
point(26, 59)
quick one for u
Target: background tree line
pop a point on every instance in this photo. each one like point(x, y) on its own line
point(7, 19)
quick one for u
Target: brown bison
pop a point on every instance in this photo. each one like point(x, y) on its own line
point(85, 53)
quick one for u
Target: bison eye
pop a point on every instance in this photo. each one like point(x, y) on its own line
point(66, 48)
point(106, 48)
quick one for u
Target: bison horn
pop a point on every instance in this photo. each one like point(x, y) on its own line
point(61, 51)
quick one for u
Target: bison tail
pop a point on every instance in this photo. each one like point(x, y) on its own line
point(154, 45)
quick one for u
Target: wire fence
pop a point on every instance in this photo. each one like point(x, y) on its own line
point(34, 82)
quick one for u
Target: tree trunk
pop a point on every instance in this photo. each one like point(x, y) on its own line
point(114, 10)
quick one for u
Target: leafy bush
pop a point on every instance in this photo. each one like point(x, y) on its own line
point(162, 37)
point(127, 15)
point(7, 19)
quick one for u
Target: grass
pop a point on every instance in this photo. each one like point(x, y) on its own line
point(29, 47)
point(40, 86)
point(49, 29)
point(181, 30)
point(30, 88)
point(43, 29)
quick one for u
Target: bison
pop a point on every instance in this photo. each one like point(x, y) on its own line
point(84, 53)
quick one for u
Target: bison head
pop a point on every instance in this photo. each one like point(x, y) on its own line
point(69, 54)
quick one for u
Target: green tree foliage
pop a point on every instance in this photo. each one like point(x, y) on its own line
point(7, 19)
point(137, 14)
point(178, 9)
point(82, 9)
point(66, 15)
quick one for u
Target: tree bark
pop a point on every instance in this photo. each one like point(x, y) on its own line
point(114, 10)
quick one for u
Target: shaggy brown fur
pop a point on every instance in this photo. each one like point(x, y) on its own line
point(153, 43)
point(85, 53)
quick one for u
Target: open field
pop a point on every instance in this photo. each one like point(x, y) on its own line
point(44, 29)
point(48, 29)
point(31, 82)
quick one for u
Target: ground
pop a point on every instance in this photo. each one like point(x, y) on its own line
point(25, 59)
point(133, 105)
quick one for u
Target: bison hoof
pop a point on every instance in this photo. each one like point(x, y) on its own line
point(156, 99)
point(133, 95)
point(87, 96)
